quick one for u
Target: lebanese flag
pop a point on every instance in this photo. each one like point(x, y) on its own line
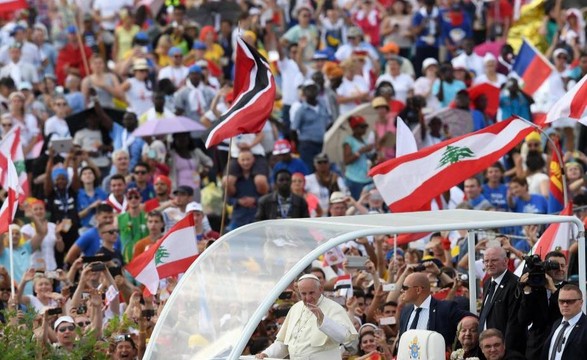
point(12, 5)
point(11, 149)
point(571, 105)
point(169, 256)
point(410, 182)
point(532, 67)
point(8, 209)
point(556, 237)
point(254, 93)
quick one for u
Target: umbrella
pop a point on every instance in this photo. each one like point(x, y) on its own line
point(459, 123)
point(78, 121)
point(340, 129)
point(174, 125)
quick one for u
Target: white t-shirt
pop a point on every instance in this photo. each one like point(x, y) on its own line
point(246, 138)
point(423, 87)
point(501, 79)
point(321, 192)
point(58, 127)
point(402, 84)
point(47, 250)
point(292, 78)
point(109, 8)
point(176, 74)
point(139, 98)
point(352, 87)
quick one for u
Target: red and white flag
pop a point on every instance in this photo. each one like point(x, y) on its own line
point(11, 149)
point(169, 256)
point(12, 5)
point(254, 94)
point(410, 182)
point(556, 237)
point(10, 205)
point(571, 105)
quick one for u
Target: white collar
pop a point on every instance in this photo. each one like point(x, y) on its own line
point(574, 320)
point(499, 278)
point(425, 304)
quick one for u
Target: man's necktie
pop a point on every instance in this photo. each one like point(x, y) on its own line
point(558, 344)
point(486, 305)
point(414, 324)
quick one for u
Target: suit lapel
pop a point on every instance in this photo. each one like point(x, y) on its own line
point(432, 314)
point(408, 312)
point(573, 334)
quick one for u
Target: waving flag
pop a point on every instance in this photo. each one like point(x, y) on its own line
point(532, 67)
point(254, 93)
point(555, 189)
point(12, 5)
point(571, 105)
point(410, 182)
point(10, 205)
point(169, 256)
point(556, 237)
point(11, 148)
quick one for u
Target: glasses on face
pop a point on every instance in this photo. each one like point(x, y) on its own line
point(134, 197)
point(322, 162)
point(406, 287)
point(6, 125)
point(5, 290)
point(140, 172)
point(83, 323)
point(568, 301)
point(64, 328)
point(111, 232)
point(60, 104)
point(490, 261)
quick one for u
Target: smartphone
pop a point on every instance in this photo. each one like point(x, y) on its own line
point(419, 268)
point(286, 295)
point(98, 258)
point(66, 224)
point(62, 145)
point(98, 267)
point(51, 274)
point(115, 270)
point(85, 296)
point(388, 287)
point(82, 309)
point(387, 321)
point(357, 262)
point(54, 311)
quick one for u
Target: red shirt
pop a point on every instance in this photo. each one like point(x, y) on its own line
point(71, 56)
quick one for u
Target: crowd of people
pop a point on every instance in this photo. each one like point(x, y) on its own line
point(77, 78)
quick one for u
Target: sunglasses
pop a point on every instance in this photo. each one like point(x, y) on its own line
point(5, 290)
point(63, 328)
point(406, 287)
point(7, 125)
point(60, 104)
point(111, 232)
point(140, 172)
point(568, 301)
point(134, 197)
point(83, 323)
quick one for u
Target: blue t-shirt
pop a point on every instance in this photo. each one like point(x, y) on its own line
point(357, 170)
point(536, 205)
point(497, 197)
point(83, 201)
point(135, 149)
point(89, 242)
point(147, 193)
point(432, 29)
point(449, 25)
point(450, 90)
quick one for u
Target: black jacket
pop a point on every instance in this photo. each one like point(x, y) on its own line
point(267, 207)
point(575, 345)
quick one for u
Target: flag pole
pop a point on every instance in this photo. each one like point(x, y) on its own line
point(12, 295)
point(395, 250)
point(81, 46)
point(222, 222)
point(560, 158)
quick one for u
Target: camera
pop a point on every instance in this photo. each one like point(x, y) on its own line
point(536, 269)
point(463, 277)
point(419, 268)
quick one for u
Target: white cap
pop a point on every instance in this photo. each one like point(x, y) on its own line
point(308, 82)
point(309, 276)
point(428, 62)
point(560, 51)
point(459, 63)
point(25, 85)
point(489, 57)
point(62, 319)
point(193, 206)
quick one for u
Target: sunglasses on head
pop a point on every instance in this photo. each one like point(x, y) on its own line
point(69, 327)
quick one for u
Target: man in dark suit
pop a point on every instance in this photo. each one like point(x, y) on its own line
point(539, 305)
point(568, 337)
point(501, 300)
point(281, 203)
point(428, 313)
point(493, 346)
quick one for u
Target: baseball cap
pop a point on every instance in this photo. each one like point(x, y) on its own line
point(281, 147)
point(202, 63)
point(193, 206)
point(321, 157)
point(184, 189)
point(133, 190)
point(25, 85)
point(62, 319)
point(199, 45)
point(195, 69)
point(320, 55)
point(356, 121)
point(389, 48)
point(560, 51)
point(142, 36)
point(15, 45)
point(428, 62)
point(71, 29)
point(174, 51)
point(337, 197)
point(354, 32)
point(379, 102)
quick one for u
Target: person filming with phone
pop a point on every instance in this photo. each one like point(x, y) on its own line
point(314, 328)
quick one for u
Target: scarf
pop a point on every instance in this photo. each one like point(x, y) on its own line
point(196, 99)
point(432, 17)
point(127, 139)
point(118, 207)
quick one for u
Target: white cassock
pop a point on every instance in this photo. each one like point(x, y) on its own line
point(302, 338)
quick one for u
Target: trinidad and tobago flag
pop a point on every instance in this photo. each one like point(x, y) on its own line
point(254, 94)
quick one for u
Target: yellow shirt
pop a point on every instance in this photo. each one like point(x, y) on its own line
point(124, 38)
point(214, 54)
